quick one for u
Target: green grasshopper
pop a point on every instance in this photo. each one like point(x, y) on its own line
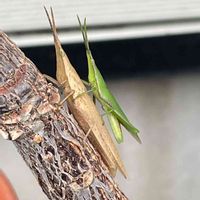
point(101, 92)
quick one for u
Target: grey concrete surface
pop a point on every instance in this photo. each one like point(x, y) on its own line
point(166, 109)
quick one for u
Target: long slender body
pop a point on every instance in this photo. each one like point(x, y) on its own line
point(84, 109)
point(116, 115)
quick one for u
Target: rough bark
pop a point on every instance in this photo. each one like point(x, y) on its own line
point(49, 139)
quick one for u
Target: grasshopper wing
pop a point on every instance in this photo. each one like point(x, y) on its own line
point(115, 125)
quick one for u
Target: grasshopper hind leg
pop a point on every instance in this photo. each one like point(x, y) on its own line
point(85, 92)
point(60, 104)
point(52, 80)
point(60, 86)
point(88, 133)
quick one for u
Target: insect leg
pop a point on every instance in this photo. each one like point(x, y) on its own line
point(88, 133)
point(86, 83)
point(52, 80)
point(104, 114)
point(70, 94)
point(116, 128)
point(82, 93)
point(61, 86)
point(63, 101)
point(114, 123)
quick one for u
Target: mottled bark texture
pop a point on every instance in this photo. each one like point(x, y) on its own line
point(47, 136)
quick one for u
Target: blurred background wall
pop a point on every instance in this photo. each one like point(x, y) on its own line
point(148, 53)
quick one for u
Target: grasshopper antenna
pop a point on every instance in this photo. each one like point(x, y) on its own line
point(84, 33)
point(52, 23)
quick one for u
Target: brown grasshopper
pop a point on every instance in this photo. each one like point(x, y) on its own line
point(83, 108)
